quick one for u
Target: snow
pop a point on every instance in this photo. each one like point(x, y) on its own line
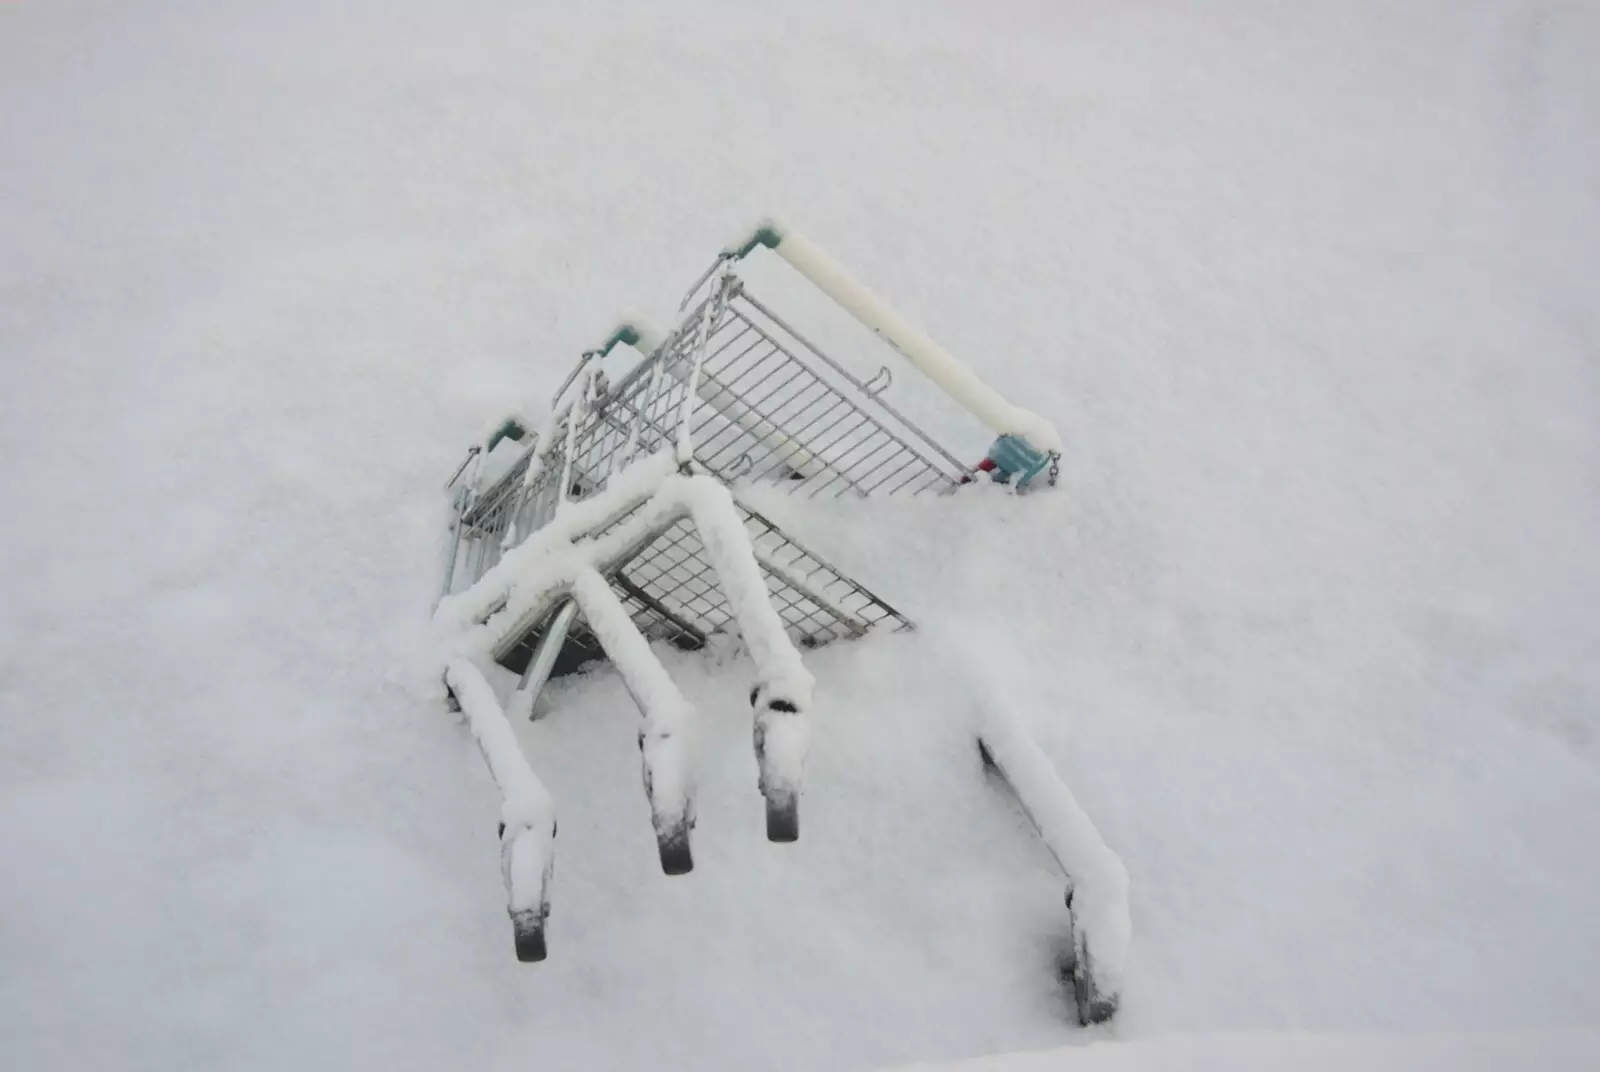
point(1308, 626)
point(494, 465)
point(1310, 1052)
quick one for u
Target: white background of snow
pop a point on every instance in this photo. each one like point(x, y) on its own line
point(1304, 1052)
point(1310, 291)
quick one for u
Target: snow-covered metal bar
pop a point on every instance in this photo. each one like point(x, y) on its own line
point(954, 378)
point(663, 739)
point(527, 812)
point(782, 695)
point(1097, 881)
point(624, 492)
point(543, 661)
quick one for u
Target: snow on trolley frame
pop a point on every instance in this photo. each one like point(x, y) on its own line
point(616, 522)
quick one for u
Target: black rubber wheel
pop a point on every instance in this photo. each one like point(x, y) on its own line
point(676, 859)
point(529, 936)
point(783, 820)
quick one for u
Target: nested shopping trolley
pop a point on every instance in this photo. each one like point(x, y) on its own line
point(757, 403)
point(622, 519)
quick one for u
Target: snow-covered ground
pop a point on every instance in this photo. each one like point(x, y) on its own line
point(1310, 624)
point(1304, 1052)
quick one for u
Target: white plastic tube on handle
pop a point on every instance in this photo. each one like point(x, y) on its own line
point(954, 378)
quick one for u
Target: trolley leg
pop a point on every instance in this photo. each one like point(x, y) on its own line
point(545, 654)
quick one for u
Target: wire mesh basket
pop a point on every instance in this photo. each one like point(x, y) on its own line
point(767, 406)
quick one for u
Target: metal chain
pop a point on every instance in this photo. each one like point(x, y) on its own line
point(1055, 467)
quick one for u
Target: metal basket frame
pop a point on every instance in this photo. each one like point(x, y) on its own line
point(768, 406)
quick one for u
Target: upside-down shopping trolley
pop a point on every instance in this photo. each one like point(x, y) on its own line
point(617, 522)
